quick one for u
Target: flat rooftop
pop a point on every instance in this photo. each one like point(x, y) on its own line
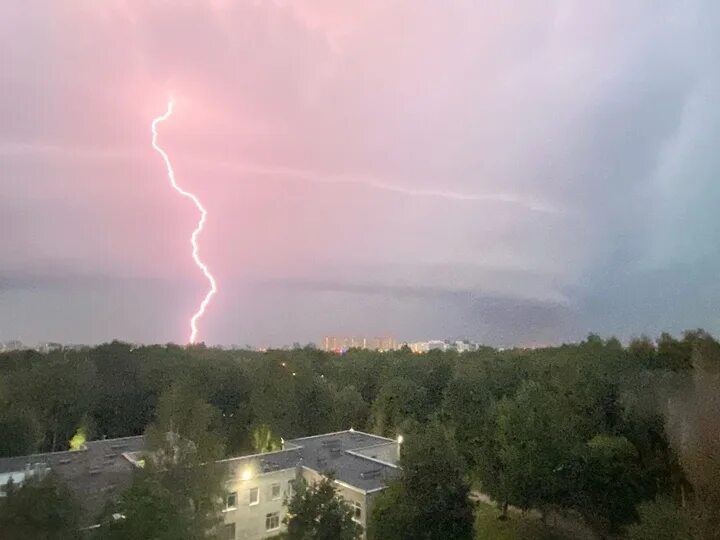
point(336, 453)
point(101, 470)
point(95, 474)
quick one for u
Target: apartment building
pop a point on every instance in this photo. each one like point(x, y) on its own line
point(256, 486)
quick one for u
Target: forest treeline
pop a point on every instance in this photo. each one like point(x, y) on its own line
point(626, 437)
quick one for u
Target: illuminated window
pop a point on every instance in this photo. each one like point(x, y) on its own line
point(272, 521)
point(228, 532)
point(231, 501)
point(254, 496)
point(357, 511)
point(275, 491)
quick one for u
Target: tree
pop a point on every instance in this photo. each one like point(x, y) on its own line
point(674, 354)
point(264, 440)
point(399, 400)
point(430, 498)
point(149, 510)
point(315, 512)
point(533, 456)
point(42, 507)
point(20, 433)
point(179, 492)
point(59, 391)
point(314, 402)
point(350, 409)
point(642, 350)
point(662, 519)
point(611, 482)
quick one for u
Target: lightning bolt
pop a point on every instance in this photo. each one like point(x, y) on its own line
point(196, 233)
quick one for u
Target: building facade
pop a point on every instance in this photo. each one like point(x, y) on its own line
point(256, 486)
point(340, 344)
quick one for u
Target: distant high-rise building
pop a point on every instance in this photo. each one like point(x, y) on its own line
point(343, 343)
point(384, 344)
point(13, 345)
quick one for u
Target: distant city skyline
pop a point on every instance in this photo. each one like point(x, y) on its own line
point(515, 174)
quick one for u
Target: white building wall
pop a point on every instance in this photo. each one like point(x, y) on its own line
point(250, 519)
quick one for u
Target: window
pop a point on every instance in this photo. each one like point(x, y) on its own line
point(254, 496)
point(291, 488)
point(231, 501)
point(228, 532)
point(272, 521)
point(275, 491)
point(357, 511)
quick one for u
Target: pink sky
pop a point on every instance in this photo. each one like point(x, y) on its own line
point(416, 168)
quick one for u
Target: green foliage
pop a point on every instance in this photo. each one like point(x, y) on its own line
point(612, 481)
point(149, 510)
point(40, 508)
point(534, 443)
point(349, 410)
point(399, 400)
point(20, 432)
point(315, 512)
point(78, 440)
point(592, 427)
point(430, 498)
point(178, 493)
point(489, 524)
point(264, 440)
point(662, 520)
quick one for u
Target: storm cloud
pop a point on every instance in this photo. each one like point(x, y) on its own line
point(512, 173)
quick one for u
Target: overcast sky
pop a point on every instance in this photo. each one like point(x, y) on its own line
point(512, 172)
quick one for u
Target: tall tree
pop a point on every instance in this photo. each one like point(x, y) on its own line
point(430, 498)
point(662, 520)
point(349, 410)
point(181, 482)
point(42, 508)
point(315, 512)
point(20, 432)
point(399, 400)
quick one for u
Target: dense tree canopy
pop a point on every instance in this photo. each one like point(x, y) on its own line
point(43, 507)
point(430, 499)
point(595, 427)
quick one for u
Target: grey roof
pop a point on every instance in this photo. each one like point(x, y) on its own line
point(328, 453)
point(95, 474)
point(265, 463)
point(101, 470)
point(334, 453)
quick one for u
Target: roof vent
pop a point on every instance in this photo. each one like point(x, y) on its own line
point(329, 443)
point(372, 473)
